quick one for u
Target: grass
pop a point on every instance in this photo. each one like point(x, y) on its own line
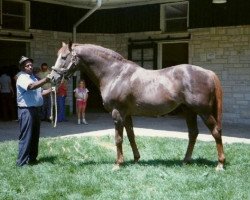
point(81, 168)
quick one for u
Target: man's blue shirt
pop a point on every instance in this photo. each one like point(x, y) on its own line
point(26, 97)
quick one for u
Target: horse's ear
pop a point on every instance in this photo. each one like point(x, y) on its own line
point(64, 44)
point(70, 45)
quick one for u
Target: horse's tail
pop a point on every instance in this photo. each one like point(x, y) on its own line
point(218, 102)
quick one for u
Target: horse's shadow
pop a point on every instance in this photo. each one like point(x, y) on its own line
point(158, 162)
point(176, 162)
point(152, 162)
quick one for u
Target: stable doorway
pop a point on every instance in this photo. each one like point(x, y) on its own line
point(174, 54)
point(10, 53)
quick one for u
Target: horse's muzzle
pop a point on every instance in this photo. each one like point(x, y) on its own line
point(56, 77)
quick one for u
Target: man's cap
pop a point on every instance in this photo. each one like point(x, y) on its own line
point(24, 59)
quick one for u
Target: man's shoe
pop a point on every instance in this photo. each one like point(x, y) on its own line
point(32, 162)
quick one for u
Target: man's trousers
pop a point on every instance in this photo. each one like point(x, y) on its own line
point(29, 124)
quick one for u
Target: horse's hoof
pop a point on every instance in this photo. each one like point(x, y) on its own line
point(116, 167)
point(186, 162)
point(136, 160)
point(219, 167)
point(119, 162)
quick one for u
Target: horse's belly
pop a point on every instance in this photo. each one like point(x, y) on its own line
point(153, 109)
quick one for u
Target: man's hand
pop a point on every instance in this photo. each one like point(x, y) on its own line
point(49, 77)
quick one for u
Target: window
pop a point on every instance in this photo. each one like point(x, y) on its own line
point(145, 55)
point(14, 14)
point(174, 17)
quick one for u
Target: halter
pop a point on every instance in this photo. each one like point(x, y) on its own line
point(73, 61)
point(53, 97)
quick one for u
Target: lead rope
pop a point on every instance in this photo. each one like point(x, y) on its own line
point(53, 104)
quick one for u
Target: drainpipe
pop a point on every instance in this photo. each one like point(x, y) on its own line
point(98, 5)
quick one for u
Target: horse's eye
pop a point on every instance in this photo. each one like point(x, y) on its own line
point(64, 57)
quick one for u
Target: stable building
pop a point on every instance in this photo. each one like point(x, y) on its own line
point(213, 34)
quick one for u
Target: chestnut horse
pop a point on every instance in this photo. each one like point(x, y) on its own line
point(128, 89)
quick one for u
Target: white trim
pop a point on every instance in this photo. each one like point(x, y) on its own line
point(27, 16)
point(159, 56)
point(107, 4)
point(163, 19)
point(1, 20)
point(15, 40)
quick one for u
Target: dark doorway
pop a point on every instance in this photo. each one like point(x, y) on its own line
point(174, 54)
point(10, 53)
point(95, 100)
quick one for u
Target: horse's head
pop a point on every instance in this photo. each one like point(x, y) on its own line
point(65, 64)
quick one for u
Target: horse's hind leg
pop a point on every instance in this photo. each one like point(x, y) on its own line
point(211, 123)
point(118, 135)
point(191, 120)
point(131, 136)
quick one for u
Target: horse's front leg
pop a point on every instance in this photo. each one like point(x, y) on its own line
point(131, 136)
point(118, 135)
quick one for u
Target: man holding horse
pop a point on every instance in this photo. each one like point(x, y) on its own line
point(29, 102)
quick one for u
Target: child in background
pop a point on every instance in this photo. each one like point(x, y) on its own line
point(81, 94)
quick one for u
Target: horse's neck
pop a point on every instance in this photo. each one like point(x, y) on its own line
point(96, 66)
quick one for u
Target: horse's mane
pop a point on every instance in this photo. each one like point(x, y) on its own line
point(103, 52)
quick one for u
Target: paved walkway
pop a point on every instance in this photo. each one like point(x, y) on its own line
point(102, 124)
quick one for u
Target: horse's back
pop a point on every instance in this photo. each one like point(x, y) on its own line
point(187, 84)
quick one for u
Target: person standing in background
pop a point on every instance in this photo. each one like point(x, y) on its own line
point(46, 108)
point(81, 95)
point(7, 95)
point(61, 96)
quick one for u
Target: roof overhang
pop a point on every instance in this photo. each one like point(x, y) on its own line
point(106, 4)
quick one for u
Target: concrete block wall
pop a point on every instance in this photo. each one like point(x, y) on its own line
point(226, 51)
point(44, 47)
